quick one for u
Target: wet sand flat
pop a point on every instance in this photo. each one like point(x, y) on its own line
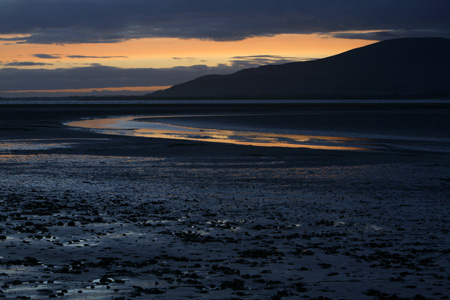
point(91, 216)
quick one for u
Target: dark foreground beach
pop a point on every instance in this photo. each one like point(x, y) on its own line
point(90, 216)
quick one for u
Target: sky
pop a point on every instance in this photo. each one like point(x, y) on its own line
point(99, 47)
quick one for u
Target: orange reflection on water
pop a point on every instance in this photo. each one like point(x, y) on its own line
point(258, 139)
point(129, 126)
point(97, 123)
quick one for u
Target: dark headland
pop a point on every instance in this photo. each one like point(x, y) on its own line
point(392, 69)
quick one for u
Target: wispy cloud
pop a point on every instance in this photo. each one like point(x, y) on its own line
point(96, 57)
point(47, 56)
point(377, 35)
point(25, 64)
point(58, 56)
point(258, 60)
point(185, 58)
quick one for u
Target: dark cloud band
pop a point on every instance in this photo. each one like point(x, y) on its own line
point(98, 76)
point(55, 21)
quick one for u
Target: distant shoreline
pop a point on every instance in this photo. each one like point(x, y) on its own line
point(380, 103)
point(307, 97)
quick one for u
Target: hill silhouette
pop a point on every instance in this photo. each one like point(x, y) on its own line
point(399, 68)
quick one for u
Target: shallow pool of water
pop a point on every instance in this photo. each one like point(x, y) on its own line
point(143, 127)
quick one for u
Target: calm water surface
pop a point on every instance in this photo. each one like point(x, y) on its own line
point(194, 127)
point(143, 127)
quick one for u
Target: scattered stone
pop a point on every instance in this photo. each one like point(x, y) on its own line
point(235, 284)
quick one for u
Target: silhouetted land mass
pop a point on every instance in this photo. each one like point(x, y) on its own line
point(395, 69)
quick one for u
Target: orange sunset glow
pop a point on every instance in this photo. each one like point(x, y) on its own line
point(160, 52)
point(163, 53)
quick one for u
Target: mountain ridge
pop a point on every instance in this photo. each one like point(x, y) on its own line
point(398, 68)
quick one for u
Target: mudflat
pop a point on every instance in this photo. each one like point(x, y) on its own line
point(91, 216)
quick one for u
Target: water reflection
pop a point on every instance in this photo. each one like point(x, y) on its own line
point(143, 127)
